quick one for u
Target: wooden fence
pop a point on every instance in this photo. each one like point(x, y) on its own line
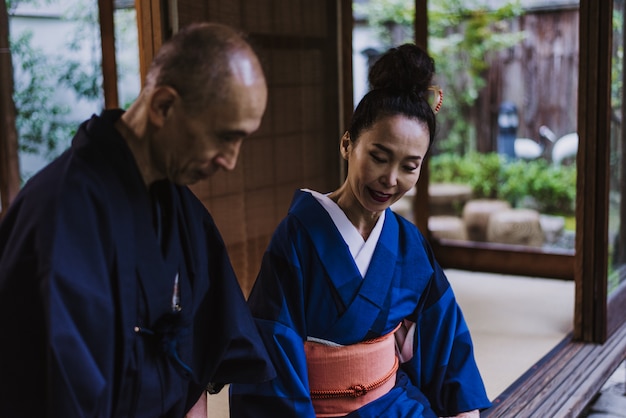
point(539, 75)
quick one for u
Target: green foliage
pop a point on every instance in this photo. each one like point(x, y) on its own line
point(553, 187)
point(40, 121)
point(462, 36)
point(549, 188)
point(382, 13)
point(84, 78)
point(480, 171)
point(618, 59)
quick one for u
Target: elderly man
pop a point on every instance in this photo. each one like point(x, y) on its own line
point(117, 297)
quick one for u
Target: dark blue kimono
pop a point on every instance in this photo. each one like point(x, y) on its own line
point(309, 286)
point(107, 311)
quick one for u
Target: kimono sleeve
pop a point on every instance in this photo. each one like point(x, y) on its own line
point(443, 365)
point(277, 304)
point(56, 261)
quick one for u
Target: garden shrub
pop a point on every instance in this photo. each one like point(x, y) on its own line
point(546, 187)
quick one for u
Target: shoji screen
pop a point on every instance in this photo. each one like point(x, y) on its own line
point(298, 142)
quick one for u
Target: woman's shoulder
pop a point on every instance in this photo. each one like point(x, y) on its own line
point(406, 227)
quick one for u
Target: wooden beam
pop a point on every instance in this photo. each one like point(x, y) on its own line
point(495, 258)
point(346, 78)
point(421, 211)
point(109, 67)
point(9, 162)
point(151, 36)
point(590, 317)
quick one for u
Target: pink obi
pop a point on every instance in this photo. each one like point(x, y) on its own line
point(344, 378)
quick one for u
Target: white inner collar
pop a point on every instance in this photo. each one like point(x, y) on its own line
point(360, 249)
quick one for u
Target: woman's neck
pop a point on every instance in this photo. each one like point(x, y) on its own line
point(363, 220)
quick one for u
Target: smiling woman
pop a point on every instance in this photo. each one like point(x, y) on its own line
point(358, 283)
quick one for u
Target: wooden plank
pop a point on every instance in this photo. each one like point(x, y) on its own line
point(564, 382)
point(150, 32)
point(498, 258)
point(592, 374)
point(544, 400)
point(528, 388)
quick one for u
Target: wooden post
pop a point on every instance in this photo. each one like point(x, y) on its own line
point(109, 66)
point(151, 34)
point(9, 163)
point(420, 201)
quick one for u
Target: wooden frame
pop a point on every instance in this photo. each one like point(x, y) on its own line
point(510, 259)
point(566, 380)
point(107, 42)
point(588, 266)
point(9, 162)
point(151, 32)
point(488, 257)
point(596, 27)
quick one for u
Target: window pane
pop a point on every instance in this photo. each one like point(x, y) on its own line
point(503, 170)
point(127, 53)
point(56, 54)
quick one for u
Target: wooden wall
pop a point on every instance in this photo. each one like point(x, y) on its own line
point(298, 142)
point(539, 75)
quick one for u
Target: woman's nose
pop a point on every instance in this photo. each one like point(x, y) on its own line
point(390, 177)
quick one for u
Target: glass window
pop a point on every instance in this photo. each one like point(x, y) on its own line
point(503, 171)
point(617, 158)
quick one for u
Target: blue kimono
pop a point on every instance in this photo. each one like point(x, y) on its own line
point(310, 286)
point(106, 310)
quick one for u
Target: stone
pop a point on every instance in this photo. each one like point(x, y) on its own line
point(476, 215)
point(447, 227)
point(552, 227)
point(609, 405)
point(448, 198)
point(515, 226)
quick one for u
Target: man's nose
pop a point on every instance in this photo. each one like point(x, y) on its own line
point(227, 159)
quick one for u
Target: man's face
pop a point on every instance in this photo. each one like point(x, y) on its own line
point(189, 148)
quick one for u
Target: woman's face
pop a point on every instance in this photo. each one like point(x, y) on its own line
point(385, 161)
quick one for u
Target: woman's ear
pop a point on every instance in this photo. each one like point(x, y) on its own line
point(346, 145)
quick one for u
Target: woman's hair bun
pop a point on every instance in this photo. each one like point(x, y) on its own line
point(404, 68)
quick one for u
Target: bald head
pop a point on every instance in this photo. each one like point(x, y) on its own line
point(202, 61)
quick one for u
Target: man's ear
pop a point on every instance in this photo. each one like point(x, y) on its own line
point(346, 145)
point(161, 103)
